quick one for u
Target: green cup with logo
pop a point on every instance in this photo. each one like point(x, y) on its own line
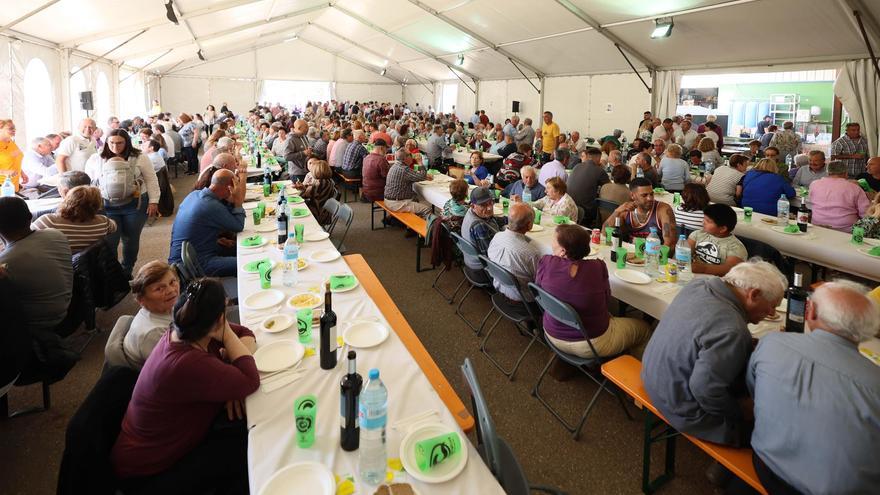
point(640, 247)
point(621, 257)
point(497, 194)
point(747, 213)
point(858, 235)
point(304, 325)
point(505, 204)
point(676, 199)
point(256, 213)
point(433, 451)
point(538, 216)
point(265, 269)
point(298, 230)
point(608, 237)
point(305, 411)
point(664, 255)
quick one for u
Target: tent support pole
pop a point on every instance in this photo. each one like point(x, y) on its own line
point(524, 75)
point(858, 15)
point(474, 91)
point(108, 52)
point(633, 67)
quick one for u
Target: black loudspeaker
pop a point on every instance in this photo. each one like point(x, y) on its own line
point(515, 108)
point(85, 101)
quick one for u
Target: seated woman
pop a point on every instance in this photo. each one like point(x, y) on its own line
point(583, 284)
point(617, 190)
point(557, 201)
point(78, 218)
point(694, 200)
point(711, 158)
point(478, 172)
point(156, 289)
point(456, 208)
point(674, 172)
point(476, 142)
point(762, 186)
point(170, 441)
point(319, 189)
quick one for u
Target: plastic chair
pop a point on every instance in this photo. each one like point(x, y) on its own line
point(194, 270)
point(566, 315)
point(331, 206)
point(581, 214)
point(469, 249)
point(520, 313)
point(755, 248)
point(434, 285)
point(494, 450)
point(345, 215)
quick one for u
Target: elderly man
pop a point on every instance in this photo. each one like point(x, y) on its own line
point(513, 250)
point(700, 349)
point(353, 161)
point(814, 171)
point(478, 227)
point(507, 149)
point(657, 151)
point(787, 141)
point(872, 174)
point(852, 148)
point(66, 181)
point(686, 137)
point(399, 195)
point(527, 184)
point(340, 147)
point(319, 148)
point(526, 135)
point(555, 168)
point(205, 214)
point(511, 127)
point(382, 134)
point(75, 150)
point(375, 172)
point(816, 399)
point(298, 151)
point(112, 123)
point(642, 213)
point(664, 132)
point(436, 146)
point(37, 162)
point(724, 186)
point(585, 180)
point(837, 202)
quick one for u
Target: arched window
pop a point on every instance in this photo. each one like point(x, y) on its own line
point(77, 86)
point(102, 108)
point(39, 109)
point(131, 96)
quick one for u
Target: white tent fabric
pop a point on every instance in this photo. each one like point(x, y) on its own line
point(858, 87)
point(667, 84)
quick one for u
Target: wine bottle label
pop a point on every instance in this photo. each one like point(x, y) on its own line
point(796, 310)
point(333, 344)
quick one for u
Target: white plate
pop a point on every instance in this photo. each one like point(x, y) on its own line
point(781, 230)
point(266, 227)
point(279, 355)
point(318, 235)
point(632, 276)
point(365, 333)
point(324, 255)
point(306, 478)
point(444, 471)
point(250, 206)
point(264, 299)
point(536, 228)
point(261, 244)
point(865, 250)
point(282, 322)
point(317, 301)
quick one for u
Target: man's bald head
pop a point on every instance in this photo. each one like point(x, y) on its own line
point(223, 183)
point(87, 127)
point(224, 161)
point(300, 126)
point(843, 308)
point(521, 216)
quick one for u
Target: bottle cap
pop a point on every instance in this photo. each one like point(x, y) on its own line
point(374, 373)
point(352, 354)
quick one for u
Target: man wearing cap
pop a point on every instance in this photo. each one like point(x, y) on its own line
point(479, 227)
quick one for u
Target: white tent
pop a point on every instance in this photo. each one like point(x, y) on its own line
point(590, 61)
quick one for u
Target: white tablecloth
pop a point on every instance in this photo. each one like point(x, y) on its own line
point(36, 205)
point(462, 157)
point(272, 443)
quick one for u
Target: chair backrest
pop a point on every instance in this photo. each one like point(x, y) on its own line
point(345, 215)
point(605, 205)
point(114, 350)
point(184, 276)
point(465, 245)
point(191, 260)
point(504, 277)
point(581, 214)
point(560, 310)
point(756, 248)
point(331, 206)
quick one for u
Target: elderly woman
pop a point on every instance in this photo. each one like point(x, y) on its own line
point(210, 148)
point(169, 442)
point(583, 284)
point(155, 288)
point(762, 187)
point(456, 207)
point(189, 134)
point(557, 201)
point(77, 217)
point(478, 172)
point(710, 156)
point(674, 172)
point(694, 199)
point(319, 189)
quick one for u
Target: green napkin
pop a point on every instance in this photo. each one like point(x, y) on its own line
point(299, 213)
point(659, 190)
point(342, 282)
point(254, 266)
point(874, 251)
point(295, 200)
point(560, 220)
point(254, 240)
point(433, 171)
point(791, 229)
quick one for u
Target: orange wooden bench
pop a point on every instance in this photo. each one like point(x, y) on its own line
point(377, 292)
point(412, 222)
point(625, 372)
point(348, 182)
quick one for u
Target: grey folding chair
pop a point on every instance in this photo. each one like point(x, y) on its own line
point(526, 317)
point(565, 314)
point(435, 285)
point(469, 249)
point(331, 206)
point(494, 450)
point(344, 217)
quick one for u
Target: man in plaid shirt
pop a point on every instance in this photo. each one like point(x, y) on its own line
point(399, 185)
point(851, 149)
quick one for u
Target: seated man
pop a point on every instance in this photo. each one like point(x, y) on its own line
point(555, 168)
point(837, 202)
point(716, 250)
point(512, 249)
point(817, 399)
point(479, 227)
point(38, 162)
point(528, 183)
point(642, 213)
point(812, 172)
point(584, 182)
point(399, 195)
point(203, 215)
point(701, 346)
point(353, 161)
point(375, 171)
point(66, 181)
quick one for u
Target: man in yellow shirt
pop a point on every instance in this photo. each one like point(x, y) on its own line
point(549, 136)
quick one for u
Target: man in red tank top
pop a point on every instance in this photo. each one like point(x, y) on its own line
point(643, 212)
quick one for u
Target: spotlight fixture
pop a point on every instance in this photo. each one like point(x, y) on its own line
point(292, 38)
point(461, 59)
point(383, 71)
point(662, 28)
point(201, 56)
point(169, 12)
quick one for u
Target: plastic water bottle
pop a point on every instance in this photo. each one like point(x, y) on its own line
point(640, 172)
point(373, 416)
point(782, 207)
point(683, 259)
point(527, 195)
point(291, 259)
point(7, 189)
point(425, 162)
point(789, 161)
point(652, 252)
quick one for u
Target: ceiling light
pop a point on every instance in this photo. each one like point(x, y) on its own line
point(383, 71)
point(461, 59)
point(662, 28)
point(169, 12)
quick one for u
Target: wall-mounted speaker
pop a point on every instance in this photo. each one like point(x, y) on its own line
point(85, 101)
point(515, 107)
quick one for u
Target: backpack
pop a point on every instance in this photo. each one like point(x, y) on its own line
point(120, 181)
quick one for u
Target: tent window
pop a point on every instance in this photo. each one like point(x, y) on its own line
point(449, 97)
point(294, 94)
point(131, 96)
point(39, 109)
point(77, 86)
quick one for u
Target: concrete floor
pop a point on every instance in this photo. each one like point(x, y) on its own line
point(606, 459)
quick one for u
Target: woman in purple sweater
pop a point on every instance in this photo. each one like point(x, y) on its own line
point(583, 284)
point(175, 436)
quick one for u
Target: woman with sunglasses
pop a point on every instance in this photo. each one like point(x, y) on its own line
point(182, 432)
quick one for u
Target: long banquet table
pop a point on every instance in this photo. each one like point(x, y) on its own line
point(407, 370)
point(461, 157)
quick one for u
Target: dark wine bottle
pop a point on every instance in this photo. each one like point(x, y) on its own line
point(281, 222)
point(803, 215)
point(328, 332)
point(797, 305)
point(350, 435)
point(616, 241)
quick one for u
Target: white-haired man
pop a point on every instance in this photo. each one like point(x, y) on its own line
point(38, 162)
point(515, 251)
point(701, 347)
point(75, 150)
point(817, 400)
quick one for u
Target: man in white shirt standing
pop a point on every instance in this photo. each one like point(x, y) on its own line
point(686, 137)
point(75, 150)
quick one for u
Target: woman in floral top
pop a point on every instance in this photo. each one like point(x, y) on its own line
point(557, 201)
point(871, 221)
point(455, 209)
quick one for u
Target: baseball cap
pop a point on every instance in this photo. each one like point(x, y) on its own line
point(481, 196)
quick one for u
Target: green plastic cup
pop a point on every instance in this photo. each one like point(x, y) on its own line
point(298, 230)
point(747, 213)
point(304, 325)
point(265, 269)
point(621, 257)
point(858, 235)
point(538, 216)
point(505, 204)
point(433, 451)
point(305, 411)
point(640, 247)
point(257, 217)
point(664, 255)
point(676, 199)
point(608, 232)
point(267, 190)
point(560, 219)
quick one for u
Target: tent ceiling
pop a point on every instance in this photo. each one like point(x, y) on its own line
point(543, 35)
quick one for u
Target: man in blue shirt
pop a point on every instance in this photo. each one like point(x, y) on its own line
point(203, 215)
point(529, 182)
point(817, 400)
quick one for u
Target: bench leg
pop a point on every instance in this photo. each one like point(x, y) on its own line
point(666, 433)
point(418, 253)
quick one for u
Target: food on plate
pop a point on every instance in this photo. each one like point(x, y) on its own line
point(300, 263)
point(395, 489)
point(304, 300)
point(771, 221)
point(270, 323)
point(632, 259)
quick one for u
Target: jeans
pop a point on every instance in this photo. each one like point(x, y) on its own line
point(190, 156)
point(130, 222)
point(219, 266)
